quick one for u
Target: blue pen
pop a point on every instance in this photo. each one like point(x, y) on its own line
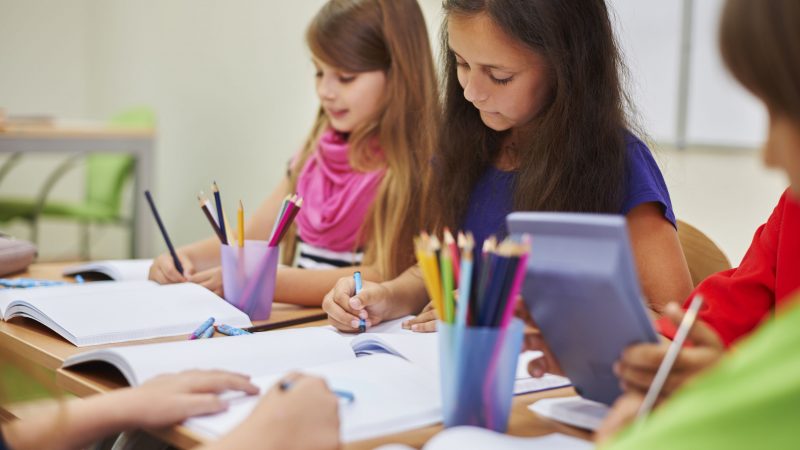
point(346, 396)
point(232, 331)
point(362, 323)
point(201, 329)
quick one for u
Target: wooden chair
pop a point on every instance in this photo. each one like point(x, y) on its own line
point(703, 256)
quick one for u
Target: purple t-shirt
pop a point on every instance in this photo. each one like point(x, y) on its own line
point(492, 198)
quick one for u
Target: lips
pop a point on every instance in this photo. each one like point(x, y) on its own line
point(337, 113)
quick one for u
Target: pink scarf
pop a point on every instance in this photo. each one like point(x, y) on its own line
point(336, 198)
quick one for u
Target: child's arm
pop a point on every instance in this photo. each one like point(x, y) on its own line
point(162, 401)
point(377, 302)
point(308, 287)
point(662, 268)
point(203, 256)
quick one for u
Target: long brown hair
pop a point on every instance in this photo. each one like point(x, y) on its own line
point(572, 157)
point(760, 44)
point(388, 35)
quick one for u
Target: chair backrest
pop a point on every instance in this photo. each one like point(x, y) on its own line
point(107, 173)
point(703, 256)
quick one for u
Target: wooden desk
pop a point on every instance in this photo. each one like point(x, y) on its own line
point(75, 138)
point(35, 343)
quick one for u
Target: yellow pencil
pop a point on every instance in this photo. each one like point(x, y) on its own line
point(241, 224)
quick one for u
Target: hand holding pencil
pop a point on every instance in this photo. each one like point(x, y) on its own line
point(345, 309)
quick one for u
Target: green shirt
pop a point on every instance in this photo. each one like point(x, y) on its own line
point(750, 400)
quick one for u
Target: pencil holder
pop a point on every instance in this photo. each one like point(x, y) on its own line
point(248, 277)
point(478, 369)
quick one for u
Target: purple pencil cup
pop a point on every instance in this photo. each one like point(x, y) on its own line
point(248, 277)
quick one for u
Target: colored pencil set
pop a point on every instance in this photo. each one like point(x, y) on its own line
point(289, 208)
point(487, 287)
point(223, 228)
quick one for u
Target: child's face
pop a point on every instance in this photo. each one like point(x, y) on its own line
point(782, 149)
point(349, 99)
point(507, 82)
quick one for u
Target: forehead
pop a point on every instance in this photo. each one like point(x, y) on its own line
point(479, 40)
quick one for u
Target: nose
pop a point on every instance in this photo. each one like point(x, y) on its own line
point(474, 90)
point(326, 88)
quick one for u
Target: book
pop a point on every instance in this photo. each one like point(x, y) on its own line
point(386, 366)
point(117, 270)
point(107, 312)
point(392, 393)
point(457, 438)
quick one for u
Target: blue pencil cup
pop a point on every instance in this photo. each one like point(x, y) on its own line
point(478, 370)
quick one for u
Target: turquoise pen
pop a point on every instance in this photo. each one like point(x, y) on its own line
point(346, 396)
point(201, 329)
point(231, 331)
point(362, 323)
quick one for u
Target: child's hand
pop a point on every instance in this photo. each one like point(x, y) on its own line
point(210, 279)
point(534, 340)
point(425, 322)
point(345, 309)
point(639, 363)
point(163, 270)
point(172, 398)
point(304, 416)
point(622, 413)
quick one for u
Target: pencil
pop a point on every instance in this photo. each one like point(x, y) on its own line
point(209, 216)
point(362, 323)
point(240, 217)
point(175, 259)
point(220, 215)
point(465, 283)
point(669, 358)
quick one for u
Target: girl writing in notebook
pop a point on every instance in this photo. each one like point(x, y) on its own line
point(534, 119)
point(358, 172)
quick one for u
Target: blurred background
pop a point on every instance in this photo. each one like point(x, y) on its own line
point(231, 86)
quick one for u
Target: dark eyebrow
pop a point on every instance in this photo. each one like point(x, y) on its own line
point(488, 66)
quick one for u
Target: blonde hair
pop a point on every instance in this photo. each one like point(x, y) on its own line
point(388, 35)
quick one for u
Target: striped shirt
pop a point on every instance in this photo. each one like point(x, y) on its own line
point(311, 257)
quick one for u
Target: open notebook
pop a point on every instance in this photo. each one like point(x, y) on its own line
point(111, 312)
point(386, 366)
point(117, 269)
point(392, 393)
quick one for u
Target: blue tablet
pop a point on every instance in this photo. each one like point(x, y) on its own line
point(583, 291)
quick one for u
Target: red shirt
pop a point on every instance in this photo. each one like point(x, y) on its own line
point(737, 300)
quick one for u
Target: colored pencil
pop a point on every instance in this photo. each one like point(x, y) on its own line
point(669, 358)
point(220, 215)
point(204, 207)
point(172, 252)
point(240, 223)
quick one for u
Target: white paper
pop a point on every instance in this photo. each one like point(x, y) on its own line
point(575, 411)
point(117, 270)
point(473, 437)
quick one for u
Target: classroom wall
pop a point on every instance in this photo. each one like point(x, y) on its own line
point(233, 89)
